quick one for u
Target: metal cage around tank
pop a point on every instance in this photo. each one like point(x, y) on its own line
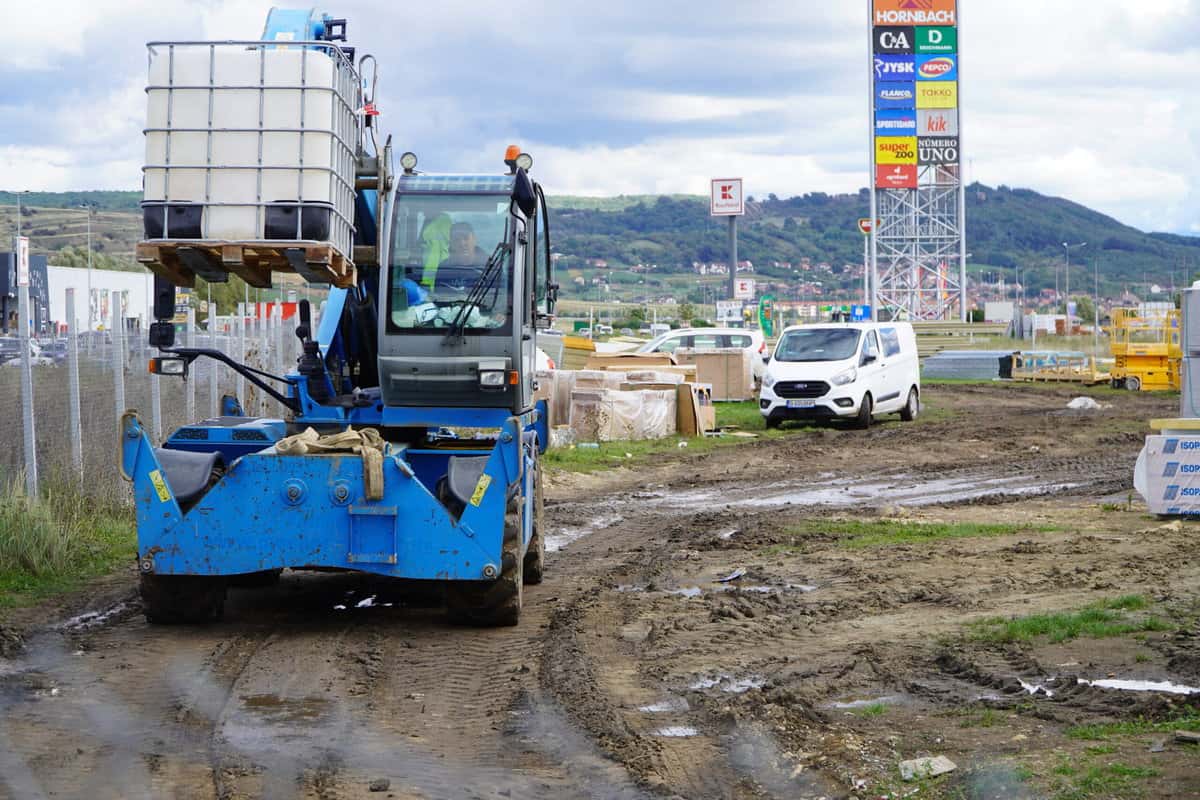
point(251, 141)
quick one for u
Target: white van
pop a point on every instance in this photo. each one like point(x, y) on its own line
point(843, 371)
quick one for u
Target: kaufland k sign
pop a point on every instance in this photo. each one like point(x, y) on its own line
point(727, 199)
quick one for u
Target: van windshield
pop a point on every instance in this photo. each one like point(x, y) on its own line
point(818, 344)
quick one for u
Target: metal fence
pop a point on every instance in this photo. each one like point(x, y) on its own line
point(82, 384)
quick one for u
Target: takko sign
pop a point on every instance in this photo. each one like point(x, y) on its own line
point(916, 12)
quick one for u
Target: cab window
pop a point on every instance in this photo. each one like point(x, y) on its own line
point(705, 342)
point(670, 345)
point(738, 341)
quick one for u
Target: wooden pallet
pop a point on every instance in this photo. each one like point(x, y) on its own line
point(181, 261)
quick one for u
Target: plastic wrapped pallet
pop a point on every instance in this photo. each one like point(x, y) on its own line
point(729, 370)
point(612, 416)
point(250, 143)
point(653, 376)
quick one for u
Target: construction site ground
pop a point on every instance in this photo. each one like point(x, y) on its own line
point(867, 627)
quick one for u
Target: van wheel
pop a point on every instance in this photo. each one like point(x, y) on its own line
point(865, 410)
point(773, 423)
point(912, 408)
point(1133, 383)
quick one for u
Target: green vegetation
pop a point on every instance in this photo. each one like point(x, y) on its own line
point(872, 710)
point(1187, 721)
point(1113, 780)
point(987, 718)
point(1101, 620)
point(57, 541)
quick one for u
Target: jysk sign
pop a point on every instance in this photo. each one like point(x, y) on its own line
point(727, 200)
point(896, 95)
point(915, 12)
point(902, 122)
point(937, 151)
point(894, 68)
point(937, 68)
point(937, 122)
point(943, 41)
point(937, 94)
point(896, 41)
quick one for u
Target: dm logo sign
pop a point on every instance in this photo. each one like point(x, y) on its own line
point(896, 95)
point(894, 68)
point(896, 123)
point(937, 68)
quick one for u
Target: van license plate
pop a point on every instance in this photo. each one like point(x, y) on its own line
point(802, 403)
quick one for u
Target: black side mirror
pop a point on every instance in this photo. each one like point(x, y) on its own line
point(524, 194)
point(867, 359)
point(162, 335)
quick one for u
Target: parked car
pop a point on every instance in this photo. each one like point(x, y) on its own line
point(711, 339)
point(12, 356)
point(842, 371)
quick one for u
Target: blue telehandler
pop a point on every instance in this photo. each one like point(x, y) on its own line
point(409, 441)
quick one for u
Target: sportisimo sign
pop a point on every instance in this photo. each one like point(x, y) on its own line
point(900, 122)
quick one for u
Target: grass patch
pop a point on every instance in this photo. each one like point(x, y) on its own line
point(1102, 620)
point(55, 542)
point(987, 718)
point(872, 710)
point(1103, 731)
point(1102, 781)
point(855, 534)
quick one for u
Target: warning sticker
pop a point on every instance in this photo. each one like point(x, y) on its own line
point(160, 486)
point(481, 488)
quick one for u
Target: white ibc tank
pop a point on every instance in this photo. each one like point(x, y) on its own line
point(249, 132)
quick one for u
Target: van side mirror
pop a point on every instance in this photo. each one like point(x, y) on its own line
point(867, 359)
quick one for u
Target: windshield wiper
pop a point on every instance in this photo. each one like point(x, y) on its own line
point(486, 283)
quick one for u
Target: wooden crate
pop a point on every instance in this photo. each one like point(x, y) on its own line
point(182, 260)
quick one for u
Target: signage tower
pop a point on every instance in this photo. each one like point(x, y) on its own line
point(918, 249)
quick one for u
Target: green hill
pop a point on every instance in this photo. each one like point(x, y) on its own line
point(1007, 230)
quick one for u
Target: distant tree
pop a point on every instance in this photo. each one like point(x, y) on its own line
point(686, 312)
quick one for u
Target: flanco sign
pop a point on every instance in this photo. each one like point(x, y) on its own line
point(915, 12)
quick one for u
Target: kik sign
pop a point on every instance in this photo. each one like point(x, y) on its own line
point(937, 122)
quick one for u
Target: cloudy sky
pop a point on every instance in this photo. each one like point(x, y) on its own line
point(1093, 100)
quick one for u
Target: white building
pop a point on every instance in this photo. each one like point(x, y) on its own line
point(136, 289)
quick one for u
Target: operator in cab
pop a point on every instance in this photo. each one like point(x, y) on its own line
point(451, 267)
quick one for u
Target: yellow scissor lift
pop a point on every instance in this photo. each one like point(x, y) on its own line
point(1146, 350)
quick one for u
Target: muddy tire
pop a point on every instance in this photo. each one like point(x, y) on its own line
point(493, 604)
point(865, 410)
point(535, 556)
point(773, 423)
point(913, 407)
point(256, 580)
point(182, 599)
point(1133, 383)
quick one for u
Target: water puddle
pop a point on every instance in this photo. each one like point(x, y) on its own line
point(559, 541)
point(727, 535)
point(629, 587)
point(1034, 688)
point(668, 706)
point(1142, 686)
point(677, 732)
point(276, 710)
point(93, 619)
point(890, 699)
point(689, 592)
point(728, 683)
point(901, 490)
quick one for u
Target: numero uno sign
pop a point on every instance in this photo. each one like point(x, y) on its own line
point(937, 151)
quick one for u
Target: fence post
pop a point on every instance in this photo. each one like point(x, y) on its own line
point(117, 333)
point(73, 410)
point(241, 359)
point(30, 443)
point(189, 384)
point(214, 375)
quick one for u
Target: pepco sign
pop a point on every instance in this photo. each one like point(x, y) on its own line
point(915, 12)
point(937, 68)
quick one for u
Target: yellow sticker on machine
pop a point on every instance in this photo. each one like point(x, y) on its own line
point(160, 486)
point(481, 488)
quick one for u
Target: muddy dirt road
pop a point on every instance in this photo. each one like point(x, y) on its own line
point(636, 673)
